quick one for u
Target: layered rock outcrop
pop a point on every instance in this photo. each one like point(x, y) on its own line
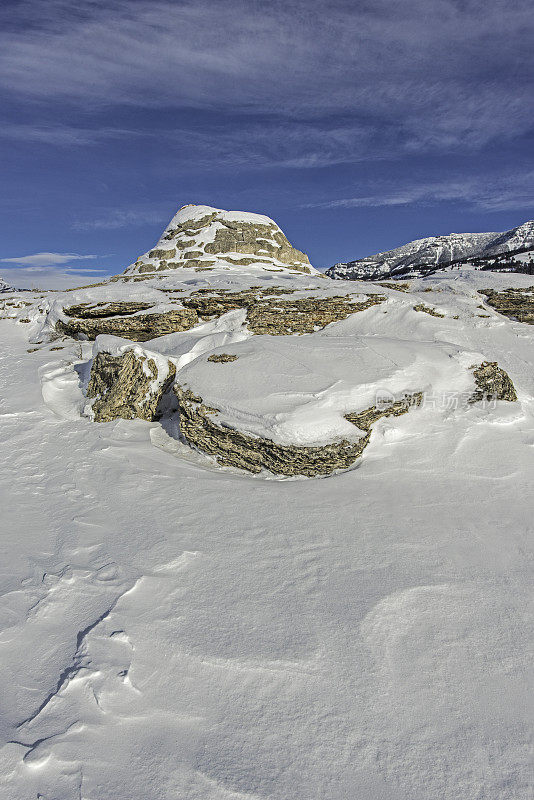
point(428, 310)
point(365, 419)
point(233, 448)
point(268, 312)
point(124, 319)
point(517, 304)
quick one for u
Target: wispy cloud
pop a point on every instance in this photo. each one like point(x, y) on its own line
point(62, 135)
point(38, 260)
point(441, 73)
point(118, 218)
point(274, 143)
point(493, 193)
point(50, 277)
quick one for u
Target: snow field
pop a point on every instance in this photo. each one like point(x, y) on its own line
point(172, 630)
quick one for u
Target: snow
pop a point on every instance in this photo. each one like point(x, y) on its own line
point(194, 212)
point(169, 629)
point(299, 395)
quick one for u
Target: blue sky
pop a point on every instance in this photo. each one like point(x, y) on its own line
point(356, 125)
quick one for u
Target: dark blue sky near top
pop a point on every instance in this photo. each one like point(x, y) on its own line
point(356, 125)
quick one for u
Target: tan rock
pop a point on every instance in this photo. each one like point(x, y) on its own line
point(140, 327)
point(517, 304)
point(493, 383)
point(130, 385)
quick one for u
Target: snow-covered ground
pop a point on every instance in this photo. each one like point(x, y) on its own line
point(172, 630)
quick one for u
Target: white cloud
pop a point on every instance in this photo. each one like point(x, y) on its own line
point(49, 277)
point(118, 218)
point(46, 259)
point(49, 271)
point(61, 135)
point(492, 193)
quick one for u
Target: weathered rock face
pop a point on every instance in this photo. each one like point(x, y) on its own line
point(209, 303)
point(222, 358)
point(493, 383)
point(125, 322)
point(201, 236)
point(267, 313)
point(253, 454)
point(365, 419)
point(399, 287)
point(304, 315)
point(98, 310)
point(428, 310)
point(518, 304)
point(276, 316)
point(130, 385)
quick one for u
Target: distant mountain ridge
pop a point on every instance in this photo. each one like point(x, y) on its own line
point(437, 252)
point(5, 287)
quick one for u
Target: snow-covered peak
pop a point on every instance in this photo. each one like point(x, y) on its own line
point(206, 238)
point(5, 287)
point(193, 212)
point(514, 239)
point(433, 251)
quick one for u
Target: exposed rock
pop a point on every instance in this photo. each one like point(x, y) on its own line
point(268, 312)
point(305, 315)
point(518, 304)
point(159, 253)
point(97, 310)
point(253, 454)
point(208, 303)
point(364, 419)
point(139, 327)
point(235, 449)
point(277, 317)
point(130, 385)
point(260, 240)
point(222, 358)
point(399, 287)
point(493, 383)
point(428, 310)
